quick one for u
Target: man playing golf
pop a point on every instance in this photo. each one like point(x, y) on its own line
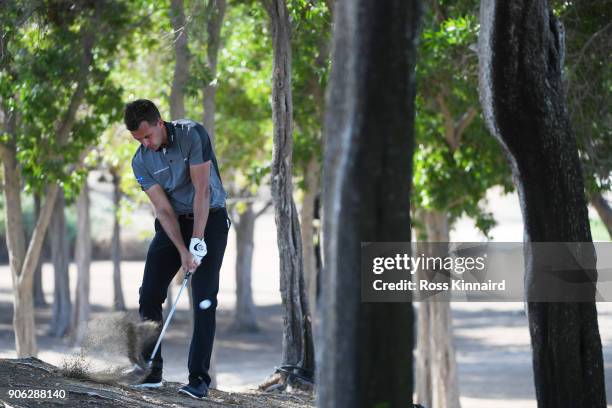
point(176, 166)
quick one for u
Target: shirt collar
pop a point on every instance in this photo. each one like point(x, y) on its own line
point(170, 132)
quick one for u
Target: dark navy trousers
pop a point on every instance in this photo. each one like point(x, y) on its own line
point(162, 264)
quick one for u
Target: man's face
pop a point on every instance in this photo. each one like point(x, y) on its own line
point(150, 136)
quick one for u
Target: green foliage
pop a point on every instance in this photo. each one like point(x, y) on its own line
point(243, 121)
point(448, 178)
point(41, 74)
point(310, 42)
point(589, 85)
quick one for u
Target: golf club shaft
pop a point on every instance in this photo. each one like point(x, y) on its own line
point(161, 335)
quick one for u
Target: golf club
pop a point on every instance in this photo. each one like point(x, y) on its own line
point(205, 304)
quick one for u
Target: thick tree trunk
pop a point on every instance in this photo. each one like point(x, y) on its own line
point(215, 14)
point(435, 335)
point(118, 301)
point(58, 236)
point(83, 262)
point(298, 348)
point(521, 43)
point(599, 202)
point(369, 145)
point(38, 292)
point(245, 319)
point(181, 61)
point(312, 175)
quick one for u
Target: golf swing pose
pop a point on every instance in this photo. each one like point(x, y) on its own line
point(177, 168)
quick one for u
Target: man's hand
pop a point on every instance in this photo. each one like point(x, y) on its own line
point(187, 261)
point(197, 247)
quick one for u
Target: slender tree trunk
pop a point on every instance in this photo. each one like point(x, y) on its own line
point(22, 262)
point(369, 145)
point(23, 312)
point(298, 348)
point(179, 82)
point(423, 380)
point(442, 377)
point(61, 310)
point(599, 202)
point(83, 263)
point(521, 43)
point(214, 17)
point(245, 319)
point(118, 302)
point(39, 294)
point(181, 62)
point(215, 14)
point(312, 174)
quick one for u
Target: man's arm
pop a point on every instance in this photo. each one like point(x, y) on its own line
point(201, 201)
point(168, 220)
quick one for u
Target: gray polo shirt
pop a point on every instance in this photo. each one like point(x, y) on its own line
point(188, 144)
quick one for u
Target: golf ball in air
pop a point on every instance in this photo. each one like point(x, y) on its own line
point(205, 304)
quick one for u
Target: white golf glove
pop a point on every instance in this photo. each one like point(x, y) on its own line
point(197, 247)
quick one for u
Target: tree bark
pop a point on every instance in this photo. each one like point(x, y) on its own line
point(442, 377)
point(61, 309)
point(423, 380)
point(244, 224)
point(215, 14)
point(368, 171)
point(83, 263)
point(298, 348)
point(312, 174)
point(38, 292)
point(521, 43)
point(22, 263)
point(118, 302)
point(601, 205)
point(181, 62)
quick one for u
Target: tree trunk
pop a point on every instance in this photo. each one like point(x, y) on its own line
point(118, 302)
point(521, 43)
point(423, 378)
point(312, 173)
point(599, 202)
point(245, 319)
point(23, 306)
point(38, 292)
point(369, 145)
point(22, 263)
point(435, 336)
point(298, 348)
point(181, 62)
point(61, 310)
point(83, 262)
point(215, 14)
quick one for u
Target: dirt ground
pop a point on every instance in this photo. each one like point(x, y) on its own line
point(28, 375)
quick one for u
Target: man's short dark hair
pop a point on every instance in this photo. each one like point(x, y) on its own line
point(138, 111)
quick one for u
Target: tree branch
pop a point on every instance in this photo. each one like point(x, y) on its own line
point(264, 209)
point(87, 39)
point(588, 44)
point(464, 122)
point(38, 236)
point(449, 124)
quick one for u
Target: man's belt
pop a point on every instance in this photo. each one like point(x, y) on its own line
point(190, 216)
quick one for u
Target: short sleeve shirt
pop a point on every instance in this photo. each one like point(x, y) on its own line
point(188, 144)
